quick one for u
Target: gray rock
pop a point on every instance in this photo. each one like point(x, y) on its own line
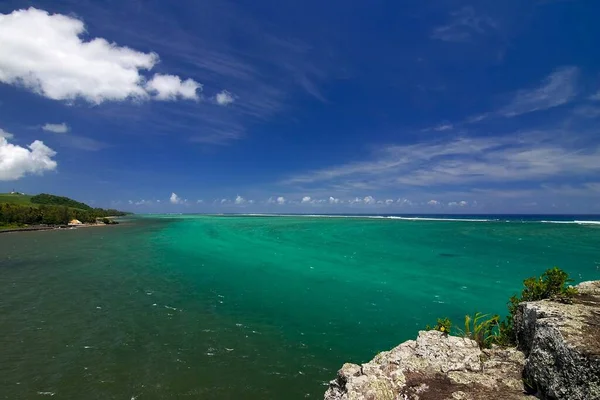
point(558, 357)
point(562, 345)
point(435, 366)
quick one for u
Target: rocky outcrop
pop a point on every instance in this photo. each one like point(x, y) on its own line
point(433, 367)
point(557, 358)
point(562, 345)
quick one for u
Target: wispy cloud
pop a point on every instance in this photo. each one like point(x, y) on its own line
point(81, 143)
point(521, 157)
point(558, 88)
point(463, 26)
point(56, 128)
point(587, 111)
point(261, 77)
point(443, 127)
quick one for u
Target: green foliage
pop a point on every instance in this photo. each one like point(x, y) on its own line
point(487, 330)
point(482, 328)
point(553, 284)
point(10, 226)
point(15, 198)
point(50, 199)
point(21, 215)
point(443, 325)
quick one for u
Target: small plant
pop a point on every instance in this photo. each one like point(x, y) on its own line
point(482, 328)
point(443, 325)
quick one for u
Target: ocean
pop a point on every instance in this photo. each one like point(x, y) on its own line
point(253, 307)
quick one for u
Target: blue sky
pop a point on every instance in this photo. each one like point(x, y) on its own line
point(303, 106)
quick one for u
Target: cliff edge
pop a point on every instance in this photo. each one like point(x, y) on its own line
point(561, 343)
point(557, 357)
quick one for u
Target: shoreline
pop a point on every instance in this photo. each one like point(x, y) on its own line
point(37, 228)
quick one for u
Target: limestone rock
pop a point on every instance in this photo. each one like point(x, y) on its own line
point(562, 345)
point(435, 366)
point(558, 357)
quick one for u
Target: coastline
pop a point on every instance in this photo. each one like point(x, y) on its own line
point(37, 228)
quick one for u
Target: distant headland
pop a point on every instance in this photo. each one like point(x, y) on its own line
point(23, 212)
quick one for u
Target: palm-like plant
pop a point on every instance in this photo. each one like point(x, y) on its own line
point(482, 328)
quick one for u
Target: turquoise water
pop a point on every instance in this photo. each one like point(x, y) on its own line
point(229, 307)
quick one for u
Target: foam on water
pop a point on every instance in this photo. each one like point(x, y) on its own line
point(581, 222)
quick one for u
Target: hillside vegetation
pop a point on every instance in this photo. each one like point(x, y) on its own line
point(52, 200)
point(18, 210)
point(15, 198)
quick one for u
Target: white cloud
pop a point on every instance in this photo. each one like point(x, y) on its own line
point(49, 57)
point(17, 161)
point(142, 203)
point(240, 200)
point(200, 201)
point(281, 200)
point(558, 88)
point(521, 157)
point(356, 200)
point(389, 201)
point(333, 200)
point(171, 87)
point(369, 200)
point(477, 118)
point(457, 204)
point(6, 135)
point(404, 202)
point(433, 202)
point(224, 98)
point(174, 199)
point(56, 128)
point(306, 199)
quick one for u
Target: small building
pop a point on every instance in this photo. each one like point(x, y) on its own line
point(75, 222)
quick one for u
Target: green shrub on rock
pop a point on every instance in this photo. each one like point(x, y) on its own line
point(553, 285)
point(486, 330)
point(443, 325)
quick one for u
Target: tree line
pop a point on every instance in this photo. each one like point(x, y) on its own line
point(51, 214)
point(52, 200)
